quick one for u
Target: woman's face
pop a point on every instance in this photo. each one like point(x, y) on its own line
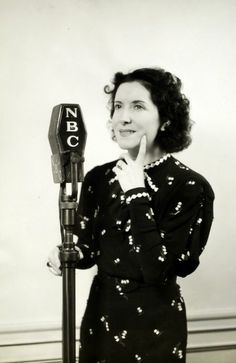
point(134, 115)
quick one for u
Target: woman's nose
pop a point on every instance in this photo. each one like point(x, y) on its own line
point(125, 117)
point(125, 122)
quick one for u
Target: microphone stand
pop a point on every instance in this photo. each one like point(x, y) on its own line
point(68, 256)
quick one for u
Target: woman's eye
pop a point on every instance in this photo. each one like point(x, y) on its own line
point(138, 107)
point(117, 106)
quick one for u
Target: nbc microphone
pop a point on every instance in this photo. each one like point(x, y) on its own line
point(67, 137)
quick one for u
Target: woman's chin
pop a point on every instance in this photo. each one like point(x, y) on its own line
point(127, 145)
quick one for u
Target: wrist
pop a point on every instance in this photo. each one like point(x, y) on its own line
point(140, 186)
point(136, 193)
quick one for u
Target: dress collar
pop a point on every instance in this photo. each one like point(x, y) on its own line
point(157, 162)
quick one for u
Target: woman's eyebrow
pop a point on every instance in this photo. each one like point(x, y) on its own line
point(134, 101)
point(138, 101)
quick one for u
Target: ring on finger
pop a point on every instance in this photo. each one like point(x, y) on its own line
point(119, 164)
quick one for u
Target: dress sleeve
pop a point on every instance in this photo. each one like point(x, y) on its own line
point(173, 245)
point(85, 219)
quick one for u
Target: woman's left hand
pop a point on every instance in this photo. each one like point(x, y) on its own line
point(130, 172)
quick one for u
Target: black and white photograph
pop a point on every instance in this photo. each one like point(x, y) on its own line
point(117, 137)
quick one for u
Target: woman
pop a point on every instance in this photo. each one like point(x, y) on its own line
point(144, 220)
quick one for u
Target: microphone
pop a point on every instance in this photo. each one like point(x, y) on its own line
point(67, 137)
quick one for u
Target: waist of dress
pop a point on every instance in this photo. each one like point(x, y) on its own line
point(126, 284)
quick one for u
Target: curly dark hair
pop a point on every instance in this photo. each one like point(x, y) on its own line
point(172, 104)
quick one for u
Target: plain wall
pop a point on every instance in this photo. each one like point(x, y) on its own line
point(66, 51)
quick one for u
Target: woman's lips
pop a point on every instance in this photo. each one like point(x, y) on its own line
point(126, 133)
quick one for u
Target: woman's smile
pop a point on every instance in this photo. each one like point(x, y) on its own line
point(126, 132)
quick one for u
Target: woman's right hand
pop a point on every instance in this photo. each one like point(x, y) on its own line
point(54, 263)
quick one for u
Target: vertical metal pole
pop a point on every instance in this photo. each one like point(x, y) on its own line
point(68, 319)
point(68, 257)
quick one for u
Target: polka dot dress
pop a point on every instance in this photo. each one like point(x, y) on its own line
point(140, 241)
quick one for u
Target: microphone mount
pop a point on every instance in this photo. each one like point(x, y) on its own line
point(67, 137)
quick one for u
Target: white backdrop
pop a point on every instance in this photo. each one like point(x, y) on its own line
point(65, 51)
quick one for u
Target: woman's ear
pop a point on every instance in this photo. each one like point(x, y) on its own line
point(165, 125)
point(111, 130)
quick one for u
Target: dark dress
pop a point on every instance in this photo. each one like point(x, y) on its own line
point(141, 241)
